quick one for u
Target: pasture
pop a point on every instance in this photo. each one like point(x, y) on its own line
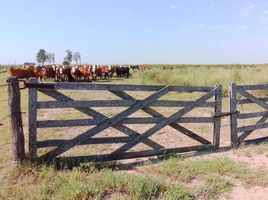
point(194, 176)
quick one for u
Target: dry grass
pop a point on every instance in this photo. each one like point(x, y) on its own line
point(175, 178)
point(207, 75)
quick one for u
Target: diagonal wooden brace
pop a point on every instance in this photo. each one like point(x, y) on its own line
point(90, 112)
point(104, 124)
point(247, 133)
point(259, 102)
point(163, 123)
point(154, 113)
point(252, 98)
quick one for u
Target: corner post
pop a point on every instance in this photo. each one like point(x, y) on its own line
point(16, 129)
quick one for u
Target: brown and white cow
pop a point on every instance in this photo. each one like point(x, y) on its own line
point(21, 72)
point(49, 72)
point(84, 72)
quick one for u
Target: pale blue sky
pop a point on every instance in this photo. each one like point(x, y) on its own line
point(136, 31)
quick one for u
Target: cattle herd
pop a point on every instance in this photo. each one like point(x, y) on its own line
point(71, 73)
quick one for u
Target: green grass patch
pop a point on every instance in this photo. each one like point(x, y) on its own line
point(187, 170)
point(213, 176)
point(29, 182)
point(213, 185)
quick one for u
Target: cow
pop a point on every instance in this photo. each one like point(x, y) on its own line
point(38, 72)
point(75, 73)
point(111, 71)
point(63, 73)
point(49, 72)
point(122, 71)
point(85, 72)
point(100, 72)
point(22, 73)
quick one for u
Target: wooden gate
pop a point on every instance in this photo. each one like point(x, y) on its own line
point(239, 134)
point(100, 122)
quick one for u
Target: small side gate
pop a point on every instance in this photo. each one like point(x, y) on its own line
point(100, 122)
point(240, 133)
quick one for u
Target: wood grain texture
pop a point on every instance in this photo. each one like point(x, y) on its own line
point(217, 120)
point(233, 117)
point(129, 155)
point(113, 103)
point(132, 120)
point(253, 98)
point(16, 128)
point(247, 133)
point(156, 114)
point(32, 119)
point(253, 87)
point(105, 124)
point(163, 123)
point(115, 87)
point(103, 140)
point(92, 113)
point(252, 115)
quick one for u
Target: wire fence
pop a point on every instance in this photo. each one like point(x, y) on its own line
point(3, 118)
point(3, 100)
point(4, 85)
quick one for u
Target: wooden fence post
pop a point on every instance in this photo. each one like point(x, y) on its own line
point(32, 95)
point(16, 129)
point(217, 118)
point(233, 116)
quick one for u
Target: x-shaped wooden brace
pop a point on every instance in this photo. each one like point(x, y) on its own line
point(90, 112)
point(154, 113)
point(116, 119)
point(107, 122)
point(162, 124)
point(259, 102)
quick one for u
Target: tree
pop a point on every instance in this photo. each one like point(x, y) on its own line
point(69, 56)
point(49, 58)
point(77, 57)
point(41, 56)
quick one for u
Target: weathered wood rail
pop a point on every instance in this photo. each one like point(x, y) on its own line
point(239, 134)
point(211, 97)
point(101, 122)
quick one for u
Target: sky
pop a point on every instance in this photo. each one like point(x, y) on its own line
point(136, 31)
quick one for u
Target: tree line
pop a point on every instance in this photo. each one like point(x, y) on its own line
point(43, 56)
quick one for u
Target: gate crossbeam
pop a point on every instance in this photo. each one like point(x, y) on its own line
point(249, 98)
point(253, 98)
point(92, 113)
point(259, 102)
point(162, 124)
point(105, 124)
point(154, 113)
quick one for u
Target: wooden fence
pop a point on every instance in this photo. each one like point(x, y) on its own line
point(239, 134)
point(238, 95)
point(100, 122)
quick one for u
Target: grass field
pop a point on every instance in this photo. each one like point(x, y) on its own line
point(207, 75)
point(176, 177)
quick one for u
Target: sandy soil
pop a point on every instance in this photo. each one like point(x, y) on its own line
point(239, 192)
